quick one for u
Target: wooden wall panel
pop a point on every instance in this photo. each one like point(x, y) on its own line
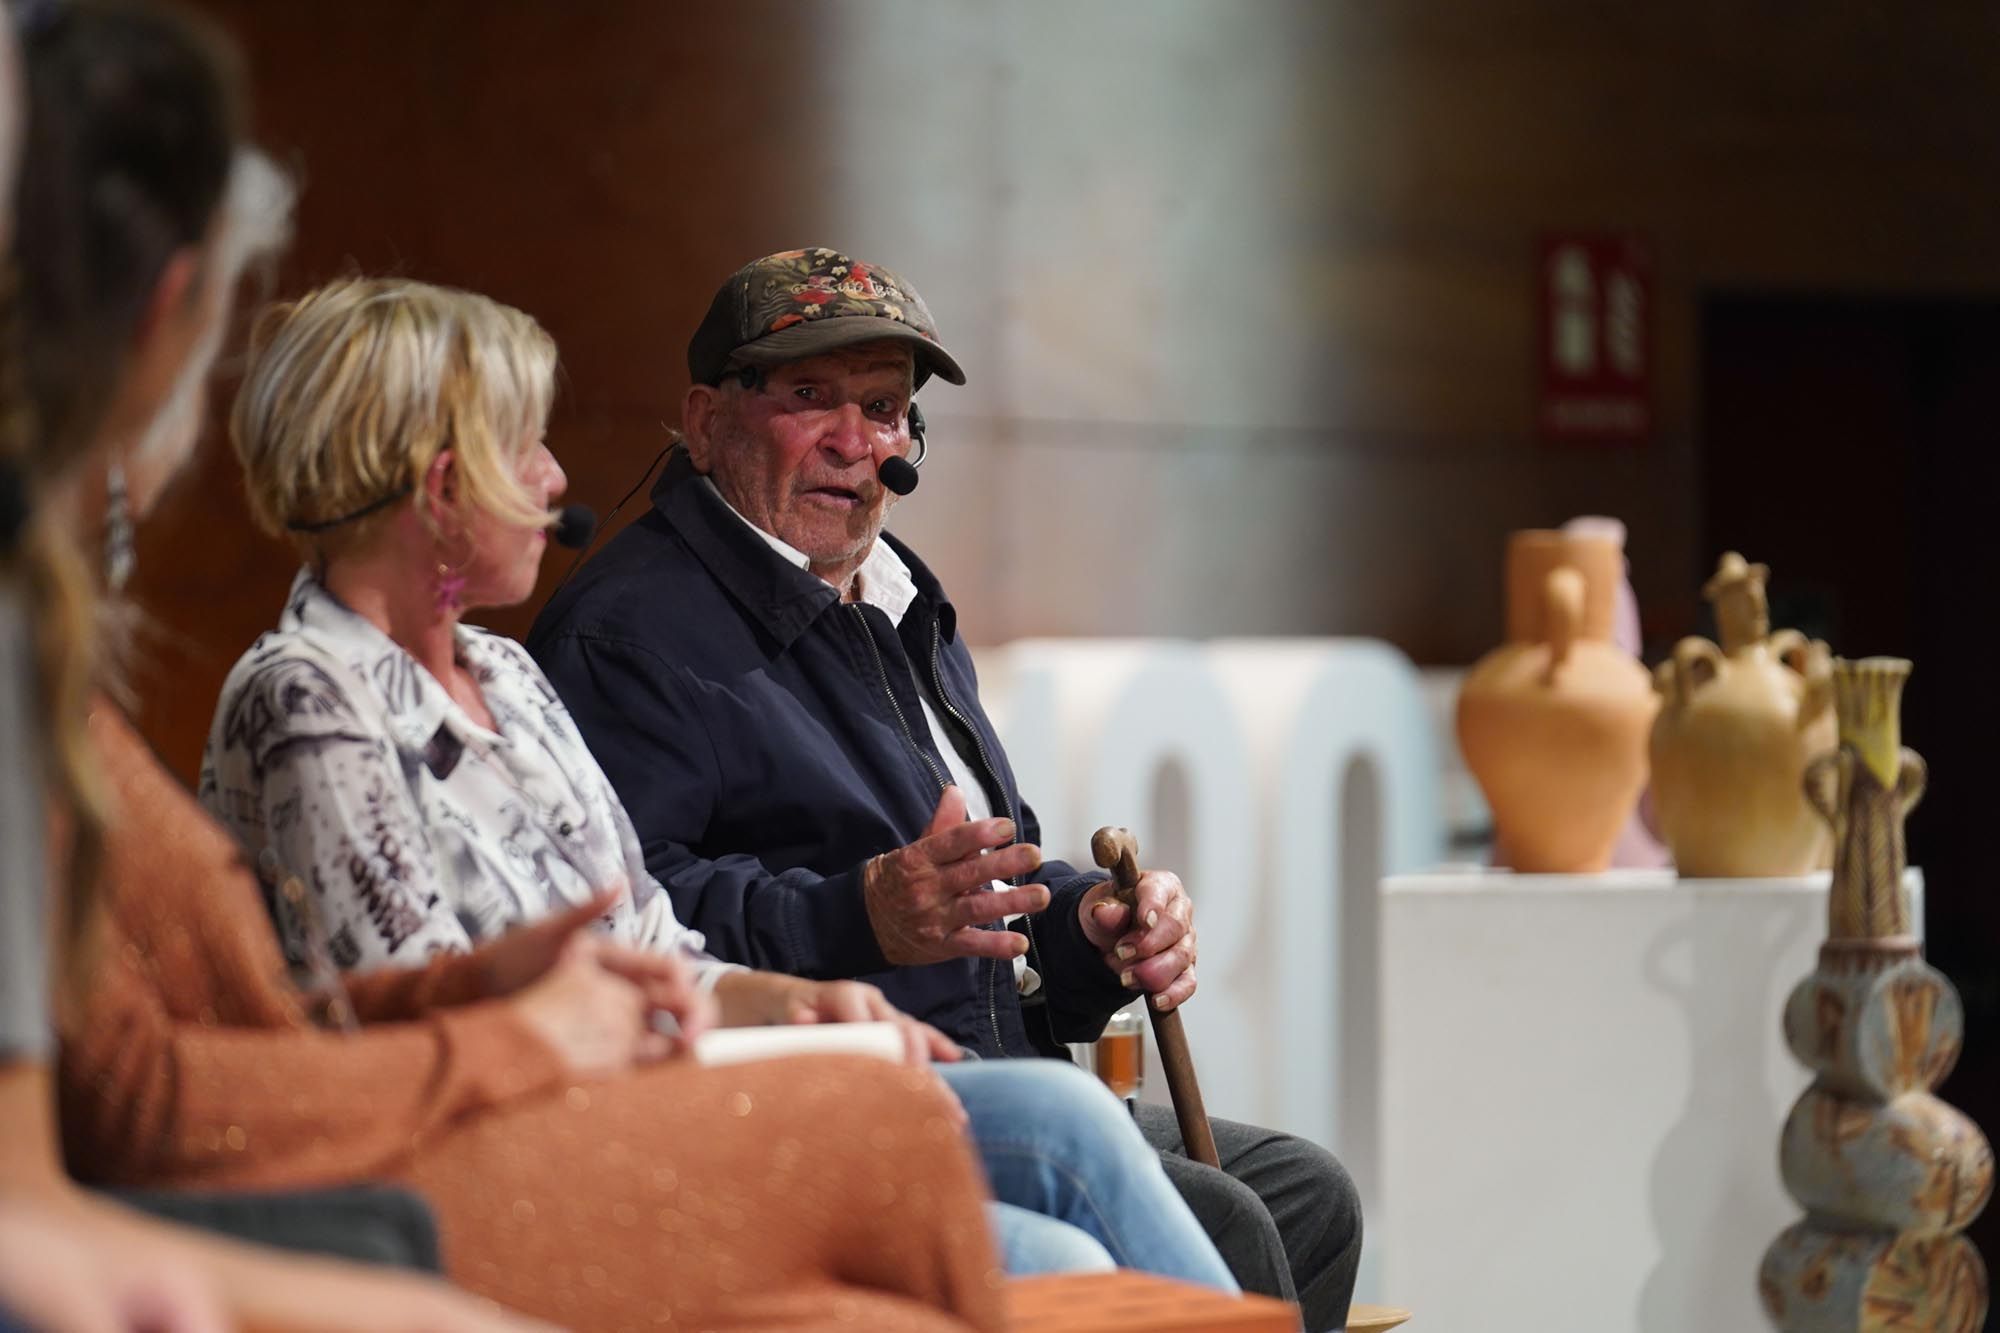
point(601, 166)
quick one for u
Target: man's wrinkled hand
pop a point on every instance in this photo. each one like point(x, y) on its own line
point(1151, 946)
point(928, 901)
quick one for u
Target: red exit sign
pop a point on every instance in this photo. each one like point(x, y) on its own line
point(1596, 331)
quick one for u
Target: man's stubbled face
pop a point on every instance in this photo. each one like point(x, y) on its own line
point(798, 455)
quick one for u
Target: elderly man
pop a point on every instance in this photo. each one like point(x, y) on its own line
point(777, 689)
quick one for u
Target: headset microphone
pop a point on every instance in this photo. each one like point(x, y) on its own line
point(900, 474)
point(574, 526)
point(897, 474)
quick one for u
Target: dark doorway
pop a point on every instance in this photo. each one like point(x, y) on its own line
point(1853, 444)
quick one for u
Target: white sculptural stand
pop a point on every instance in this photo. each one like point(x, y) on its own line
point(1582, 1086)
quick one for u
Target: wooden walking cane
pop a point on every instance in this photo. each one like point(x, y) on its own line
point(1118, 851)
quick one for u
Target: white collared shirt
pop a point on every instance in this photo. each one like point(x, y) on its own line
point(883, 581)
point(337, 758)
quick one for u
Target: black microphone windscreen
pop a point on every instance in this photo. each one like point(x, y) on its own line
point(574, 525)
point(898, 475)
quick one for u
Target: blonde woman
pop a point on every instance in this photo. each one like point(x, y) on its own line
point(423, 782)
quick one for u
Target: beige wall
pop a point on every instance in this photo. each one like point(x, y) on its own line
point(1247, 290)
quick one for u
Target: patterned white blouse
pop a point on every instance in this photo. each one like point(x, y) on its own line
point(336, 758)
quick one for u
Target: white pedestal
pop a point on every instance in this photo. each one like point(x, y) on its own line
point(1582, 1085)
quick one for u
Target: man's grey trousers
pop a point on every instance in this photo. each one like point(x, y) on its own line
point(1281, 1210)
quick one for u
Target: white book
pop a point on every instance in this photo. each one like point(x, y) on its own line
point(729, 1046)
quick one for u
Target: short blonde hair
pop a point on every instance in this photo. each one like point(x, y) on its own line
point(353, 389)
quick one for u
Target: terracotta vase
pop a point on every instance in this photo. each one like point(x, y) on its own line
point(1553, 723)
point(1888, 1174)
point(1738, 725)
point(1639, 845)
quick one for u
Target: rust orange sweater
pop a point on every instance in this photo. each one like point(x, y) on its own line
point(818, 1192)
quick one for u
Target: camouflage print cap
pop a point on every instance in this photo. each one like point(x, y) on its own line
point(800, 303)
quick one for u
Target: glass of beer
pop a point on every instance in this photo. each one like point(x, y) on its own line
point(1120, 1054)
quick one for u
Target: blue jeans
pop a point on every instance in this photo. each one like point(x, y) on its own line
point(1055, 1142)
point(1031, 1243)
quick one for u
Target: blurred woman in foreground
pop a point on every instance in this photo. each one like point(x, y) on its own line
point(153, 225)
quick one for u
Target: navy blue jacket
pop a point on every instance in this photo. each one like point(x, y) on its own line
point(767, 740)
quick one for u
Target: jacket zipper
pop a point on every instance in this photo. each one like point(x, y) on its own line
point(882, 674)
point(903, 721)
point(993, 776)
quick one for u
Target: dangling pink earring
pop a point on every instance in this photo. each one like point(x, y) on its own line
point(449, 586)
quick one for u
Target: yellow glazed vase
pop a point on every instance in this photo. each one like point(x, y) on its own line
point(1738, 724)
point(1553, 723)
